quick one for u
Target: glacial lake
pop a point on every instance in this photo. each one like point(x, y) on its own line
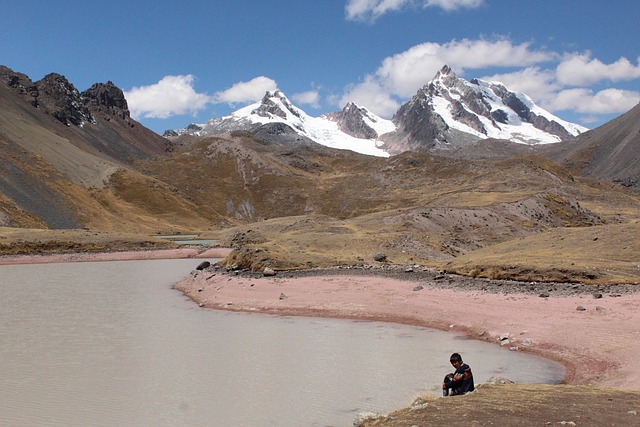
point(112, 344)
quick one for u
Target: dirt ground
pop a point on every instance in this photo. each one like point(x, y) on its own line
point(520, 405)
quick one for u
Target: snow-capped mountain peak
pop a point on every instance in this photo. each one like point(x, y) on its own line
point(275, 107)
point(446, 113)
point(358, 121)
point(482, 110)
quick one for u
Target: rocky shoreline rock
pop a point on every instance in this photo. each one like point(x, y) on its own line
point(422, 276)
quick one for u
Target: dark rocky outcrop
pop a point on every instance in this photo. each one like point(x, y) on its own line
point(351, 120)
point(108, 98)
point(512, 101)
point(203, 265)
point(62, 100)
point(20, 83)
point(419, 122)
point(57, 143)
point(269, 108)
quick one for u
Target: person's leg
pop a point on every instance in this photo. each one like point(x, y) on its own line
point(446, 391)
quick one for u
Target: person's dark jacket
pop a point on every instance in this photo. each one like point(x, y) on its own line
point(462, 381)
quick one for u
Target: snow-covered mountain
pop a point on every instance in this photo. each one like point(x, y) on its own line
point(361, 123)
point(448, 112)
point(331, 131)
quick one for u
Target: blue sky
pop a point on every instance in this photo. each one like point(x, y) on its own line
point(188, 61)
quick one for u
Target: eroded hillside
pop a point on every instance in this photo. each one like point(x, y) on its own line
point(313, 206)
point(74, 160)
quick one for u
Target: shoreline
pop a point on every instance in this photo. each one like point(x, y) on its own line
point(596, 337)
point(132, 255)
point(593, 331)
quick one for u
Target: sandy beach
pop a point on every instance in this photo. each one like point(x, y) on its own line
point(595, 335)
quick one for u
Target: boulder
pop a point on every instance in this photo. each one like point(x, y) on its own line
point(203, 265)
point(380, 257)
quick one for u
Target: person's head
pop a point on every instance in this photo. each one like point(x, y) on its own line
point(455, 359)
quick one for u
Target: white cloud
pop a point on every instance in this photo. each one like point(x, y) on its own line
point(175, 95)
point(540, 84)
point(370, 10)
point(449, 5)
point(244, 92)
point(401, 75)
point(405, 72)
point(549, 78)
point(548, 87)
point(372, 96)
point(311, 98)
point(581, 70)
point(172, 95)
point(607, 101)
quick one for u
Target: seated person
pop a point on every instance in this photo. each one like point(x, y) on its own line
point(459, 382)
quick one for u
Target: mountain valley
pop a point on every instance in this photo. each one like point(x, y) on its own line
point(436, 194)
point(74, 160)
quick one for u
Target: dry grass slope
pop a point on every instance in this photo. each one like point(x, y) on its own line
point(521, 405)
point(523, 217)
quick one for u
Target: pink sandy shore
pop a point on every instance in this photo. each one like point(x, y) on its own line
point(598, 345)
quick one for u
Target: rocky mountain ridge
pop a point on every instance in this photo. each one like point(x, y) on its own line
point(110, 172)
point(286, 202)
point(56, 96)
point(446, 114)
point(359, 122)
point(450, 112)
point(60, 146)
point(275, 108)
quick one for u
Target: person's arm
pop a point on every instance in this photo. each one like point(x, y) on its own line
point(462, 373)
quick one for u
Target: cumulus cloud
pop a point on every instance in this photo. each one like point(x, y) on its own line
point(175, 95)
point(551, 88)
point(540, 84)
point(244, 92)
point(371, 95)
point(581, 70)
point(401, 75)
point(555, 81)
point(311, 98)
point(584, 100)
point(172, 95)
point(371, 10)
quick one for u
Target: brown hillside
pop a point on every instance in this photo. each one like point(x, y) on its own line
point(313, 206)
point(288, 203)
point(610, 152)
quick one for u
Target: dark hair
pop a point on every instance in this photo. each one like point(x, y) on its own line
point(455, 357)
